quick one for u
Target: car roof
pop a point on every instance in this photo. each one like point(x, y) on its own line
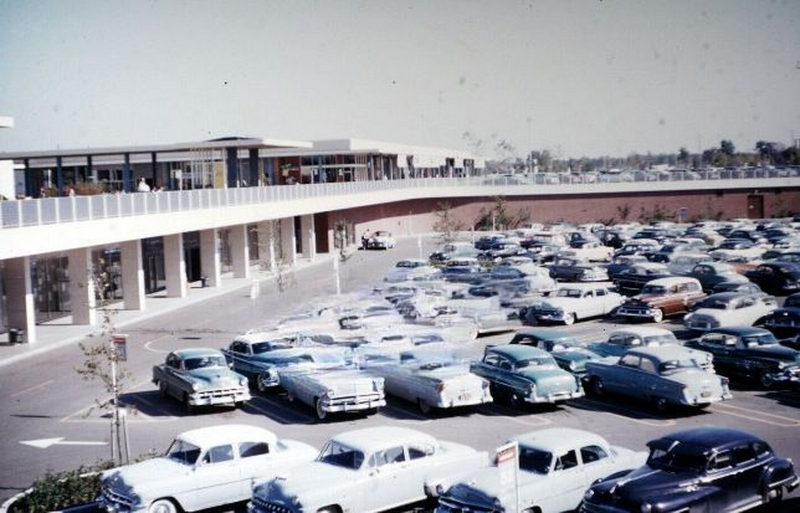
point(642, 331)
point(196, 352)
point(672, 280)
point(728, 295)
point(544, 334)
point(585, 286)
point(740, 331)
point(560, 439)
point(374, 439)
point(662, 353)
point(709, 437)
point(211, 436)
point(517, 351)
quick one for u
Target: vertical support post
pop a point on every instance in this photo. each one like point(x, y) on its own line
point(127, 178)
point(175, 265)
point(232, 163)
point(27, 186)
point(240, 251)
point(82, 286)
point(19, 296)
point(154, 167)
point(252, 162)
point(309, 240)
point(288, 243)
point(210, 265)
point(89, 169)
point(59, 176)
point(133, 290)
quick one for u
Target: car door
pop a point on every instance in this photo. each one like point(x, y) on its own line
point(217, 478)
point(393, 483)
point(255, 465)
point(569, 471)
point(620, 376)
point(747, 473)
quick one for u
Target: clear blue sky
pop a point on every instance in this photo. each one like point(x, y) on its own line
point(576, 77)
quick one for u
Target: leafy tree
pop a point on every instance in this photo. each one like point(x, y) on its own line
point(683, 156)
point(726, 146)
point(446, 225)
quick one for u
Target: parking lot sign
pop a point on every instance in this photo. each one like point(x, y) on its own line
point(120, 342)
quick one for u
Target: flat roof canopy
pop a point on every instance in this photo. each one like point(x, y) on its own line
point(239, 143)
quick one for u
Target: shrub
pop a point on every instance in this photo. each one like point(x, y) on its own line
point(59, 490)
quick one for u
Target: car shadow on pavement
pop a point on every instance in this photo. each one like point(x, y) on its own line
point(787, 397)
point(151, 404)
point(637, 410)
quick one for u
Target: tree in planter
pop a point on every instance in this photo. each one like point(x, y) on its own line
point(103, 363)
point(446, 225)
point(340, 229)
point(271, 257)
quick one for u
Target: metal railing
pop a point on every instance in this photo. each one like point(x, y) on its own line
point(21, 213)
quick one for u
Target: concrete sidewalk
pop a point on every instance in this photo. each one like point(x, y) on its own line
point(61, 332)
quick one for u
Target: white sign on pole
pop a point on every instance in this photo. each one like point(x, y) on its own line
point(120, 344)
point(507, 461)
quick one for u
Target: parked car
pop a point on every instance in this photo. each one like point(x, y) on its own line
point(701, 469)
point(203, 468)
point(432, 378)
point(326, 380)
point(730, 309)
point(368, 470)
point(555, 467)
point(736, 286)
point(200, 377)
point(248, 354)
point(410, 269)
point(573, 302)
point(660, 298)
point(621, 263)
point(749, 352)
point(566, 350)
point(666, 376)
point(573, 269)
point(785, 321)
point(634, 337)
point(523, 374)
point(779, 278)
point(710, 274)
point(683, 263)
point(381, 239)
point(633, 279)
point(590, 251)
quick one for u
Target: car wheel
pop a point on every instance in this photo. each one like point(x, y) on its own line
point(515, 400)
point(162, 388)
point(319, 410)
point(424, 407)
point(658, 315)
point(162, 506)
point(661, 404)
point(569, 319)
point(773, 496)
point(765, 380)
point(597, 386)
point(188, 406)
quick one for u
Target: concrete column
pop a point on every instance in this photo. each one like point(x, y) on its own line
point(209, 257)
point(127, 178)
point(19, 296)
point(133, 291)
point(287, 243)
point(240, 251)
point(175, 265)
point(267, 241)
point(82, 287)
point(309, 241)
point(59, 176)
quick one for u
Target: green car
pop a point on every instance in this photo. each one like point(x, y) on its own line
point(200, 377)
point(524, 374)
point(569, 354)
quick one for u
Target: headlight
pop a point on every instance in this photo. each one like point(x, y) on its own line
point(782, 365)
point(242, 381)
point(646, 508)
point(588, 495)
point(498, 504)
point(573, 366)
point(195, 386)
point(532, 389)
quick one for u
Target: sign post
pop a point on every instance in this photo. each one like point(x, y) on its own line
point(507, 461)
point(120, 342)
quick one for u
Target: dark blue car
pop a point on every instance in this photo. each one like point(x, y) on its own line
point(702, 469)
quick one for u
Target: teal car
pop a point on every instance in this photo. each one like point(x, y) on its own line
point(200, 377)
point(569, 354)
point(523, 374)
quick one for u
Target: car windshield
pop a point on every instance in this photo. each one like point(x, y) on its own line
point(534, 362)
point(535, 460)
point(568, 293)
point(205, 362)
point(792, 301)
point(183, 452)
point(263, 347)
point(670, 366)
point(678, 457)
point(329, 358)
point(716, 304)
point(341, 455)
point(764, 339)
point(654, 289)
point(658, 340)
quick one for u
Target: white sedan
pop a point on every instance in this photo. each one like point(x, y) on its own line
point(730, 309)
point(574, 302)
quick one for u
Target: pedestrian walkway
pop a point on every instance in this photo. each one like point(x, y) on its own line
point(61, 332)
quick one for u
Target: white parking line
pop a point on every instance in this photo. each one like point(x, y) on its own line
point(528, 421)
point(754, 415)
point(31, 389)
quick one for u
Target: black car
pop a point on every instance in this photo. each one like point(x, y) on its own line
point(710, 274)
point(749, 352)
point(713, 469)
point(573, 269)
point(736, 286)
point(785, 320)
point(777, 278)
point(622, 263)
point(632, 280)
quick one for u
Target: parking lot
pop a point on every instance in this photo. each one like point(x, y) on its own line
point(43, 398)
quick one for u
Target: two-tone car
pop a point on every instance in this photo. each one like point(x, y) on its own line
point(200, 377)
point(713, 469)
point(730, 309)
point(524, 374)
point(203, 468)
point(665, 376)
point(556, 466)
point(381, 239)
point(749, 352)
point(634, 337)
point(660, 298)
point(368, 470)
point(249, 354)
point(570, 303)
point(567, 351)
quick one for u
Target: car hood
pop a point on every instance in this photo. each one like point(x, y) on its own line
point(556, 302)
point(645, 299)
point(220, 376)
point(786, 310)
point(484, 486)
point(147, 478)
point(775, 352)
point(642, 483)
point(307, 483)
